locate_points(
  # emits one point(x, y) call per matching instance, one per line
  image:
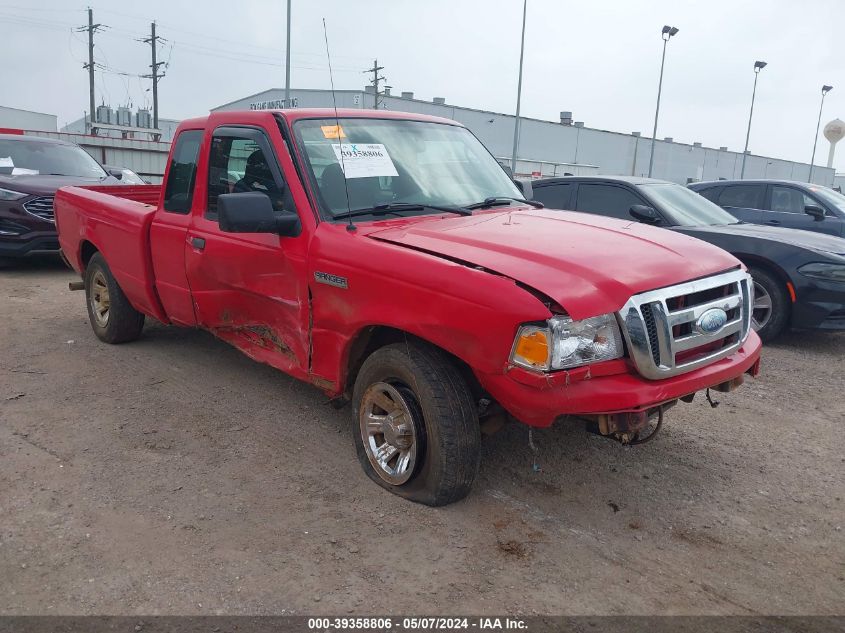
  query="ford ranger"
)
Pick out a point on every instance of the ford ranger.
point(389, 260)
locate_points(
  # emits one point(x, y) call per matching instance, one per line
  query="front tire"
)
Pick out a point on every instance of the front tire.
point(112, 317)
point(770, 312)
point(415, 426)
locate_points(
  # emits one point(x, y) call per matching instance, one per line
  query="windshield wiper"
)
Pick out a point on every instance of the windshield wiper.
point(396, 208)
point(501, 200)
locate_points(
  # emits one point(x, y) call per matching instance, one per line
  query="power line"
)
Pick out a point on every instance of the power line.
point(216, 51)
point(275, 52)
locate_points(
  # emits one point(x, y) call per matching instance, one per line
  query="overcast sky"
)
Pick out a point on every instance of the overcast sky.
point(598, 58)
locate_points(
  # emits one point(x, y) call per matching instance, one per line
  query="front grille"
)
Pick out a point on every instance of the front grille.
point(651, 330)
point(665, 332)
point(41, 207)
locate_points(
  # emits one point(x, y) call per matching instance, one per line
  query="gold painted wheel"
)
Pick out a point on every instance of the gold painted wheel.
point(100, 301)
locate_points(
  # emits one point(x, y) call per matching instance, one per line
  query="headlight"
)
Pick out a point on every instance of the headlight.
point(8, 194)
point(565, 343)
point(824, 271)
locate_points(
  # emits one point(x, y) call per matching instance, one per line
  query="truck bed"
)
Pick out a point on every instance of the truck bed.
point(114, 220)
point(147, 194)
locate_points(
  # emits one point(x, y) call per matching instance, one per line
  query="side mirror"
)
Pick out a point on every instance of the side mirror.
point(644, 214)
point(116, 173)
point(524, 185)
point(252, 212)
point(816, 211)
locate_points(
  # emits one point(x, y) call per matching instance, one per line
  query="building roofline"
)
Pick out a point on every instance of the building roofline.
point(30, 111)
point(345, 91)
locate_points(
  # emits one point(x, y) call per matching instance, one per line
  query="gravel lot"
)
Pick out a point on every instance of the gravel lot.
point(174, 475)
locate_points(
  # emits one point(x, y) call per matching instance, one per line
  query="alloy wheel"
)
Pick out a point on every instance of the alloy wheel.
point(761, 312)
point(389, 431)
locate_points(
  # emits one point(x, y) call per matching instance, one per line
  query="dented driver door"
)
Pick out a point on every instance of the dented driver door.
point(247, 287)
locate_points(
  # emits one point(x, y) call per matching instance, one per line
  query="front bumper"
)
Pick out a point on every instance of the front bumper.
point(539, 399)
point(819, 305)
point(30, 244)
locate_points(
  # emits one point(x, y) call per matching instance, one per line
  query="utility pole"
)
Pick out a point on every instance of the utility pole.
point(287, 63)
point(91, 28)
point(375, 81)
point(518, 91)
point(152, 40)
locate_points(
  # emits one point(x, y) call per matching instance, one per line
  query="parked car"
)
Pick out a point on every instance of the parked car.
point(124, 175)
point(795, 205)
point(31, 170)
point(389, 260)
point(799, 277)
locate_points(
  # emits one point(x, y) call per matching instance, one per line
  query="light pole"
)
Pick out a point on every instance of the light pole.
point(825, 90)
point(668, 31)
point(519, 90)
point(287, 63)
point(758, 66)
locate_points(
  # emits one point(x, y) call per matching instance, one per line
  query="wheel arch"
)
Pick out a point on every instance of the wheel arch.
point(370, 338)
point(87, 250)
point(755, 261)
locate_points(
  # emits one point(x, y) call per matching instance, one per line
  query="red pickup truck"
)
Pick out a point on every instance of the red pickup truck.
point(388, 259)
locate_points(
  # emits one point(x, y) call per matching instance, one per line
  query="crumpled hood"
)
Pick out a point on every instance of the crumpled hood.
point(588, 264)
point(821, 242)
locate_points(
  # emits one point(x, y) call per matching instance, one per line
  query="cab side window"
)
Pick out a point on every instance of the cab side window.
point(241, 164)
point(182, 172)
point(742, 196)
point(614, 202)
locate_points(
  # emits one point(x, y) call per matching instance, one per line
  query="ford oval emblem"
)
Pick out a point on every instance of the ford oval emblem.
point(711, 321)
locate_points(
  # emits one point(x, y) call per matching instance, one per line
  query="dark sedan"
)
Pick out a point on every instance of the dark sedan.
point(796, 205)
point(799, 277)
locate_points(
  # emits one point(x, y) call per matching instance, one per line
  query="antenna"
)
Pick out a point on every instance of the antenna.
point(349, 227)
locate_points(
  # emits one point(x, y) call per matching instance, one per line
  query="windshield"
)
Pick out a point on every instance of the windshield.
point(39, 158)
point(685, 207)
point(831, 197)
point(393, 161)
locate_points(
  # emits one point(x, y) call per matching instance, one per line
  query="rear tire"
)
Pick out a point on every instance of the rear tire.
point(770, 313)
point(112, 317)
point(415, 426)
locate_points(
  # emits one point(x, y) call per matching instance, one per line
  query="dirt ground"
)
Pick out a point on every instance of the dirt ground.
point(176, 476)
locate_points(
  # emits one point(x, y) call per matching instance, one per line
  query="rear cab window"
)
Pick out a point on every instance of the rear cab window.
point(182, 172)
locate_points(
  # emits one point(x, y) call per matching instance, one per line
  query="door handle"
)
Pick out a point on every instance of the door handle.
point(773, 222)
point(198, 243)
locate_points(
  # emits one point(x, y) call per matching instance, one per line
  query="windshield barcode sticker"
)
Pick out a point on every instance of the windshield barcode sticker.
point(364, 160)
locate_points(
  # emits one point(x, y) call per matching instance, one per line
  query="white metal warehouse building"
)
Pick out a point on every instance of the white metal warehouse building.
point(551, 148)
